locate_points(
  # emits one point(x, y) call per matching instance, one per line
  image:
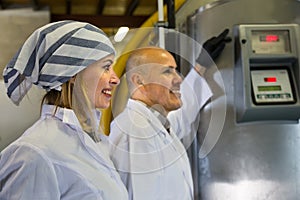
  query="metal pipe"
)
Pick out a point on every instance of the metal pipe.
point(161, 32)
point(170, 13)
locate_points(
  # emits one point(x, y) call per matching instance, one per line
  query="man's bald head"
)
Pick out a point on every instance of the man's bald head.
point(142, 57)
point(141, 61)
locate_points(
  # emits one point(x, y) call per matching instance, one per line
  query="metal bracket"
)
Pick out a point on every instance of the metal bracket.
point(163, 24)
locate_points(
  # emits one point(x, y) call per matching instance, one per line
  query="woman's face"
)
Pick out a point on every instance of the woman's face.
point(99, 80)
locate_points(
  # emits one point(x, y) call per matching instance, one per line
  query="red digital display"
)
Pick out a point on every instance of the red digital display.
point(272, 38)
point(270, 79)
point(269, 38)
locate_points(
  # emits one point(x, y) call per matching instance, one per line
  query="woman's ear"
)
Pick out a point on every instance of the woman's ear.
point(72, 80)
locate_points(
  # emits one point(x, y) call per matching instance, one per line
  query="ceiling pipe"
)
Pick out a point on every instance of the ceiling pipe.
point(101, 5)
point(68, 7)
point(132, 6)
point(161, 24)
point(2, 6)
point(172, 42)
point(36, 5)
point(170, 13)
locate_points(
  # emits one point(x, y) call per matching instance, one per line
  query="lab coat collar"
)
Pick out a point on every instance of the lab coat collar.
point(67, 116)
point(164, 120)
point(148, 114)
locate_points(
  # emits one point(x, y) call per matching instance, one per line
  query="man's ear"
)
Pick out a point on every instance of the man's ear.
point(137, 80)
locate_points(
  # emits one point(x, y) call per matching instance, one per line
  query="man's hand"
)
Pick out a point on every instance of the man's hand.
point(213, 47)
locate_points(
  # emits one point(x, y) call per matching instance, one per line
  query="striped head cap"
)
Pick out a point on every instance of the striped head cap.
point(52, 55)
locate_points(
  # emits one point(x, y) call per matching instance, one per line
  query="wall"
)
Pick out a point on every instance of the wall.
point(15, 26)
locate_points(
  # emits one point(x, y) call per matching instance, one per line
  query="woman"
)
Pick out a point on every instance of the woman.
point(63, 155)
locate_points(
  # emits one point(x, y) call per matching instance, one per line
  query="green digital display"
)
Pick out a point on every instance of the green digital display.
point(269, 88)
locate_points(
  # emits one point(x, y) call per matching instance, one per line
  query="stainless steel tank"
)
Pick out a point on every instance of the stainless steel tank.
point(248, 161)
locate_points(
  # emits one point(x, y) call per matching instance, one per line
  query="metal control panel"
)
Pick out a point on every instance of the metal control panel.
point(271, 86)
point(267, 72)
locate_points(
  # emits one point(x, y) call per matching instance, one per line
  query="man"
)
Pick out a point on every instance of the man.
point(145, 137)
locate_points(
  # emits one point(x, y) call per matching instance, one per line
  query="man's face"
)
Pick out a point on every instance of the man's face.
point(162, 83)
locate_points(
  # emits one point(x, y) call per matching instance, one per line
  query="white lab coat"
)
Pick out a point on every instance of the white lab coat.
point(56, 160)
point(153, 164)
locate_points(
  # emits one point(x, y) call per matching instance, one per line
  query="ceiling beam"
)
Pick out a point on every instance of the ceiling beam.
point(104, 21)
point(131, 7)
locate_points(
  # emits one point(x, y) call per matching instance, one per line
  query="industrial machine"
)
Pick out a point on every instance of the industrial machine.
point(253, 152)
point(266, 72)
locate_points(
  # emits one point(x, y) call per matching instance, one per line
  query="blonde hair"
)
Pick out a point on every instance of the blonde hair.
point(61, 98)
